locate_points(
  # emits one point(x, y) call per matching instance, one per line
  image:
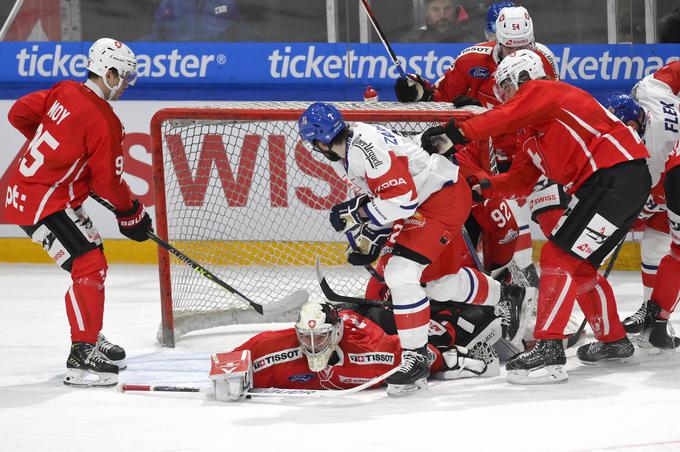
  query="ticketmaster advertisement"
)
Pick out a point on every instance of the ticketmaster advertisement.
point(208, 73)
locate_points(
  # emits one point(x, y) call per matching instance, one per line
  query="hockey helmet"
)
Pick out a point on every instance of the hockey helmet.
point(491, 16)
point(514, 28)
point(319, 330)
point(321, 123)
point(515, 69)
point(624, 107)
point(107, 53)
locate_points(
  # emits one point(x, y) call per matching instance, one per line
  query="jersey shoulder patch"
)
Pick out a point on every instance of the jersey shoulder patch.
point(480, 49)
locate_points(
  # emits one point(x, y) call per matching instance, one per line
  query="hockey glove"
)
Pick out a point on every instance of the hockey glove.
point(135, 223)
point(481, 189)
point(413, 88)
point(464, 101)
point(365, 244)
point(345, 216)
point(434, 137)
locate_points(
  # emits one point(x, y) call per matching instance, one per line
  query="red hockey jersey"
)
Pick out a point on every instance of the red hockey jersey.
point(670, 75)
point(565, 134)
point(365, 352)
point(75, 148)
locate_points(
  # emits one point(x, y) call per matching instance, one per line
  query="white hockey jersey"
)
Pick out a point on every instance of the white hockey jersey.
point(394, 170)
point(662, 130)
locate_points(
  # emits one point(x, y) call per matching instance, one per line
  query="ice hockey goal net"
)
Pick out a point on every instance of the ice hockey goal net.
point(237, 192)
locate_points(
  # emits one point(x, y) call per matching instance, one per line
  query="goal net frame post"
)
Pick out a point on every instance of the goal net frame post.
point(427, 113)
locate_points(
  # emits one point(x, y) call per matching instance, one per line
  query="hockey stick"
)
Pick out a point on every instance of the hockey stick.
point(187, 260)
point(382, 37)
point(331, 295)
point(574, 338)
point(267, 392)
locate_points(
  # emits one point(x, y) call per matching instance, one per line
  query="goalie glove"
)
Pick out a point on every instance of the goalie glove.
point(345, 216)
point(413, 88)
point(231, 374)
point(365, 244)
point(459, 364)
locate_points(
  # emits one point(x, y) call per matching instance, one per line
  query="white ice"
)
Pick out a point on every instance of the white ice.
point(614, 408)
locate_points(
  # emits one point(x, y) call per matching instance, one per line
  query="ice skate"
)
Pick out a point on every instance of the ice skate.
point(112, 352)
point(514, 308)
point(635, 323)
point(544, 364)
point(596, 352)
point(412, 374)
point(86, 367)
point(654, 342)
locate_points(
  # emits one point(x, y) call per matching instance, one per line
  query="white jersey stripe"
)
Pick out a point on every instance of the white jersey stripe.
point(583, 124)
point(605, 314)
point(580, 141)
point(558, 303)
point(76, 309)
point(51, 190)
point(621, 149)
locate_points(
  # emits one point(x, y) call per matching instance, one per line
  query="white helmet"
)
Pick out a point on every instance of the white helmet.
point(107, 53)
point(514, 27)
point(517, 68)
point(319, 330)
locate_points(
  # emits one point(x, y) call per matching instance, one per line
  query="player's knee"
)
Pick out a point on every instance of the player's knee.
point(401, 271)
point(654, 245)
point(91, 265)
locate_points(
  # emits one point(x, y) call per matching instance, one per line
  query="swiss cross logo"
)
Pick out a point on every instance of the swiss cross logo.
point(311, 323)
point(501, 18)
point(117, 44)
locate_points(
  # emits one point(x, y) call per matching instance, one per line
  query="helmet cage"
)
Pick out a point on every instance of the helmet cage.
point(319, 331)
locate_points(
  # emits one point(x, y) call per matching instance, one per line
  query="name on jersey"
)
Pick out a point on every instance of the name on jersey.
point(369, 152)
point(280, 357)
point(57, 112)
point(670, 120)
point(391, 183)
point(371, 358)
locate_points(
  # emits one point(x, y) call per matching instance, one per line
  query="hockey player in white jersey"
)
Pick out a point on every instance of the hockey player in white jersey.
point(653, 112)
point(406, 194)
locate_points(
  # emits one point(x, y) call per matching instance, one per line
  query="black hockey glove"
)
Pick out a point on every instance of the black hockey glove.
point(135, 223)
point(413, 88)
point(432, 137)
point(481, 189)
point(345, 216)
point(365, 245)
point(464, 101)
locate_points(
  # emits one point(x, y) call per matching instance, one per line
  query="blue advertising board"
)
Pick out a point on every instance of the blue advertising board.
point(302, 71)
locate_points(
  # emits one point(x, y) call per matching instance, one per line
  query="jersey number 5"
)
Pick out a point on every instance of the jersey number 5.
point(28, 168)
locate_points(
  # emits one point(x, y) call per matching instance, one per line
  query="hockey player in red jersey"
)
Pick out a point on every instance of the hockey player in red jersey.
point(569, 137)
point(339, 349)
point(75, 149)
point(470, 81)
point(653, 114)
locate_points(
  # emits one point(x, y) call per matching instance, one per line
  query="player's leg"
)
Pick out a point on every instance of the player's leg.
point(71, 240)
point(417, 245)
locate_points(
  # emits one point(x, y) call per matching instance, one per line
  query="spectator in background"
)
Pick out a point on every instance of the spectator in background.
point(199, 20)
point(669, 27)
point(445, 21)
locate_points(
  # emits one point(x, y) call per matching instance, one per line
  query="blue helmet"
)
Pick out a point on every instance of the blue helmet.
point(492, 14)
point(321, 122)
point(624, 107)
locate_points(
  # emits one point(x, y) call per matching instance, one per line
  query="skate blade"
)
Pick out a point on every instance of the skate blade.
point(541, 376)
point(122, 364)
point(85, 378)
point(406, 390)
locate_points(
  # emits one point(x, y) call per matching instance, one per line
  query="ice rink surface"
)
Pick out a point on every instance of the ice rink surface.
point(617, 407)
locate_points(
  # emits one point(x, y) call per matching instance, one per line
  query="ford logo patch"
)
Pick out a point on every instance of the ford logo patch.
point(479, 72)
point(303, 378)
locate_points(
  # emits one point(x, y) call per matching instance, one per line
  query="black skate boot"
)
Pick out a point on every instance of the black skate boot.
point(599, 351)
point(514, 313)
point(531, 275)
point(85, 367)
point(548, 355)
point(643, 317)
point(412, 374)
point(660, 335)
point(112, 352)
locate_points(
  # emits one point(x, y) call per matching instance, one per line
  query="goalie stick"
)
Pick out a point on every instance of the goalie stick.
point(187, 260)
point(266, 392)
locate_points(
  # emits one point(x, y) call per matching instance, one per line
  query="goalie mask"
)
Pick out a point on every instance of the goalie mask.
point(107, 53)
point(319, 125)
point(319, 330)
point(515, 69)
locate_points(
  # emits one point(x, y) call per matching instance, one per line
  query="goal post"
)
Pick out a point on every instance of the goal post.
point(237, 191)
